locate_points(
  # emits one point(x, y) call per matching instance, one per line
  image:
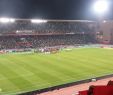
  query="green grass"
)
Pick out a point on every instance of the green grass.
point(27, 72)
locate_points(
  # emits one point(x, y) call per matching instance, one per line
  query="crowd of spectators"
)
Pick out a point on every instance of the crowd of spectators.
point(35, 41)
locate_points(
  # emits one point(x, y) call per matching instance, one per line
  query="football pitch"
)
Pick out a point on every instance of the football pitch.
point(27, 72)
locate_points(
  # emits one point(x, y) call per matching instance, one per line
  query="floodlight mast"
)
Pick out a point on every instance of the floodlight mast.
point(101, 7)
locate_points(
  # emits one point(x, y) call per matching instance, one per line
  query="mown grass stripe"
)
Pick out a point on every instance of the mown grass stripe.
point(27, 72)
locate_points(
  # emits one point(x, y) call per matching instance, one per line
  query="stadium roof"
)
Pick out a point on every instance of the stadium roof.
point(52, 20)
point(48, 20)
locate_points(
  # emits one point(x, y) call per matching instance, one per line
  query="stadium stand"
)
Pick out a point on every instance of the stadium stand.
point(24, 34)
point(49, 27)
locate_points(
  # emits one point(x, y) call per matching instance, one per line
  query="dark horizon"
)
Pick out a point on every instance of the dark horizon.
point(51, 9)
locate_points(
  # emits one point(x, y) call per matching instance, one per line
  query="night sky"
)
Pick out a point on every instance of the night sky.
point(51, 9)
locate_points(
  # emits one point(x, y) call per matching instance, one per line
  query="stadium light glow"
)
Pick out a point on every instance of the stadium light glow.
point(104, 21)
point(101, 6)
point(12, 20)
point(7, 20)
point(4, 20)
point(38, 21)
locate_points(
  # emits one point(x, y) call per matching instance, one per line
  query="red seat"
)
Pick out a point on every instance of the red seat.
point(103, 90)
point(83, 92)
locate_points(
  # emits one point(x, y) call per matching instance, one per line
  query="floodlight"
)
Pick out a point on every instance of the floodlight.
point(38, 21)
point(7, 20)
point(104, 21)
point(101, 6)
point(12, 20)
point(4, 20)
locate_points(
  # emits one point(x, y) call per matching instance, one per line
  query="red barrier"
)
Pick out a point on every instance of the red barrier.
point(103, 90)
